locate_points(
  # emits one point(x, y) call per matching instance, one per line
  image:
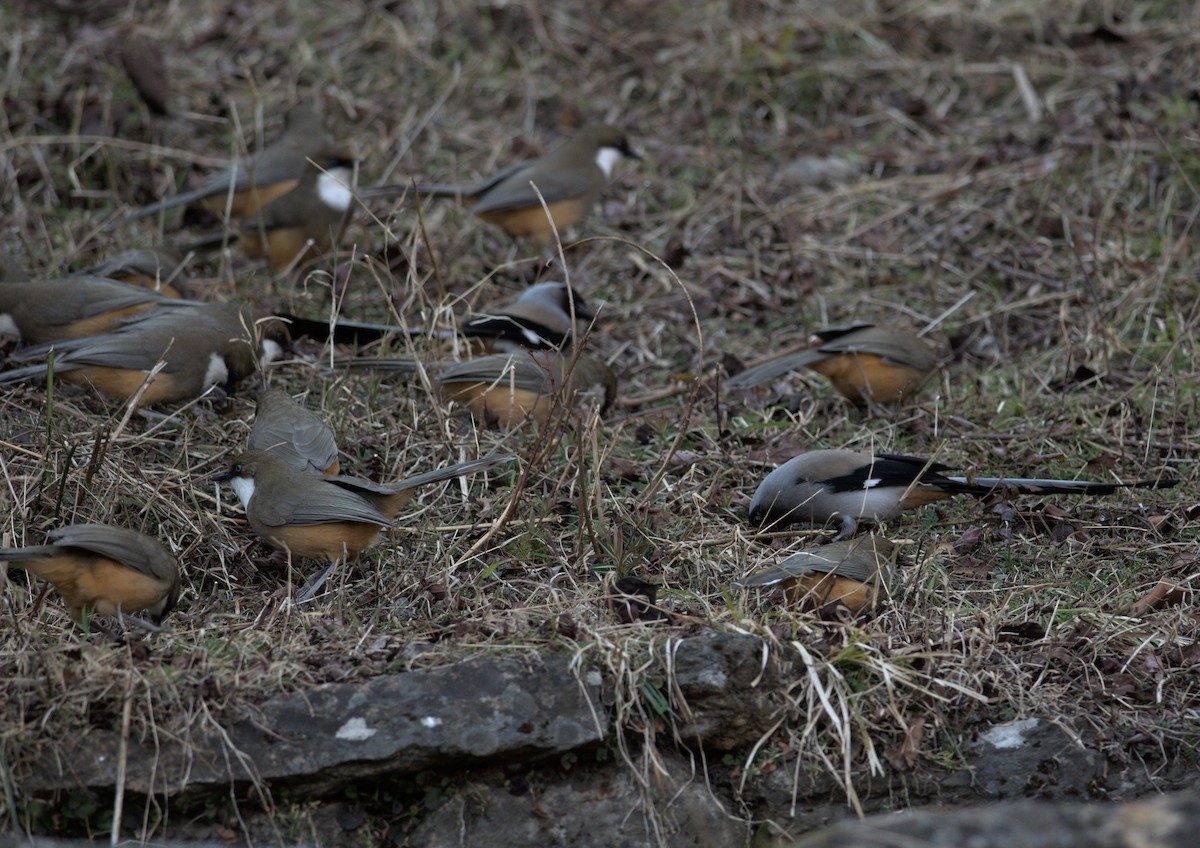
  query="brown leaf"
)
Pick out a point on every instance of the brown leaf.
point(1055, 511)
point(1165, 594)
point(634, 599)
point(969, 540)
point(143, 63)
point(1190, 655)
point(972, 567)
point(904, 757)
point(1025, 631)
point(624, 469)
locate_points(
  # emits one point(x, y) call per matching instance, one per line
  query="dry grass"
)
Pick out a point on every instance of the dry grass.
point(1027, 197)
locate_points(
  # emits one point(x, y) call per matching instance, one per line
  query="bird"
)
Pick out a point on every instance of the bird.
point(569, 179)
point(156, 268)
point(866, 363)
point(200, 346)
point(302, 224)
point(848, 487)
point(853, 573)
point(40, 311)
point(106, 570)
point(295, 434)
point(326, 517)
point(540, 318)
point(504, 389)
point(501, 390)
point(545, 316)
point(249, 184)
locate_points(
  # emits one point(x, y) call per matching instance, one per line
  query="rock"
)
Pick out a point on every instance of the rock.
point(1034, 758)
point(728, 689)
point(477, 712)
point(1170, 821)
point(606, 807)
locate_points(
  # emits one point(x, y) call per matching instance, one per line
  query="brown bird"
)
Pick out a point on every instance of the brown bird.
point(249, 184)
point(331, 518)
point(853, 573)
point(504, 389)
point(569, 178)
point(827, 485)
point(105, 570)
point(200, 345)
point(40, 311)
point(539, 319)
point(867, 363)
point(296, 435)
point(301, 224)
point(156, 268)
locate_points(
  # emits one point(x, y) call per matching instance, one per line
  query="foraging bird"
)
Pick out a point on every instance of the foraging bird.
point(865, 362)
point(201, 345)
point(504, 389)
point(569, 179)
point(107, 570)
point(249, 184)
point(826, 485)
point(303, 223)
point(541, 318)
point(331, 518)
point(156, 268)
point(295, 434)
point(853, 573)
point(545, 316)
point(40, 311)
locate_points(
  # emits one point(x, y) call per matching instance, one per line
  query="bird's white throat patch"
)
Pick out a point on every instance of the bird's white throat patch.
point(8, 327)
point(271, 350)
point(218, 371)
point(244, 487)
point(607, 158)
point(333, 189)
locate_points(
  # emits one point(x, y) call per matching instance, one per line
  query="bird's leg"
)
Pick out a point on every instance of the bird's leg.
point(126, 618)
point(309, 590)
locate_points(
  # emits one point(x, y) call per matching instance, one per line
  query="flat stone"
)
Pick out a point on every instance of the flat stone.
point(477, 712)
point(727, 688)
point(1170, 821)
point(614, 806)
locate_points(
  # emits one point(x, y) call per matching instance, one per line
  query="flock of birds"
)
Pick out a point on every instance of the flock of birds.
point(128, 330)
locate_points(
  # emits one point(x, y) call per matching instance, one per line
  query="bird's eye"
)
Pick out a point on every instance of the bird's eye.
point(238, 469)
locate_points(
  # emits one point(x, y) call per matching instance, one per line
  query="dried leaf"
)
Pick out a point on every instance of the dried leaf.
point(904, 757)
point(972, 567)
point(1165, 594)
point(969, 540)
point(143, 63)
